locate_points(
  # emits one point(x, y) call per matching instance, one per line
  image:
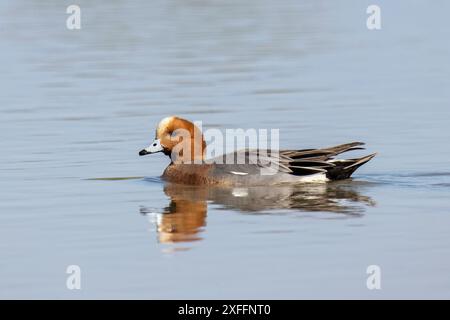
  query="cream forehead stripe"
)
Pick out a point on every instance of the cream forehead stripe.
point(164, 123)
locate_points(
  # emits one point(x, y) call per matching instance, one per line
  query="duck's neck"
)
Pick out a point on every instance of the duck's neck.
point(183, 139)
point(191, 152)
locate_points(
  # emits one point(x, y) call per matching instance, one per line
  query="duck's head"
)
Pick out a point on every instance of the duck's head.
point(179, 139)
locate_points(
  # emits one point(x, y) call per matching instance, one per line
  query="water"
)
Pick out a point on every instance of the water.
point(76, 106)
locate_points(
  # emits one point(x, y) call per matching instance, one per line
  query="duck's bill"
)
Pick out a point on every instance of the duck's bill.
point(153, 148)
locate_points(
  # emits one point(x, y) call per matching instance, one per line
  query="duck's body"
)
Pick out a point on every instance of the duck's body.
point(294, 166)
point(254, 169)
point(223, 175)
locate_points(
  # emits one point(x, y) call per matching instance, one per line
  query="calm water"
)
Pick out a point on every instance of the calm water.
point(76, 106)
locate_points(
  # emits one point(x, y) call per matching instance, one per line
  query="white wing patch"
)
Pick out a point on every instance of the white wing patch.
point(239, 173)
point(240, 192)
point(318, 177)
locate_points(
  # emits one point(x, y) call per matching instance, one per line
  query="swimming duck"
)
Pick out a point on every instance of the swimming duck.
point(284, 166)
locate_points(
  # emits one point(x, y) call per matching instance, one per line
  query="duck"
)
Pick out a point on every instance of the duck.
point(183, 142)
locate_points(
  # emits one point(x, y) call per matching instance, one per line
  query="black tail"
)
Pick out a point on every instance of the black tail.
point(343, 169)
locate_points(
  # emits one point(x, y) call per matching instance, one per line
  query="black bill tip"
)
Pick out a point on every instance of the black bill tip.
point(143, 152)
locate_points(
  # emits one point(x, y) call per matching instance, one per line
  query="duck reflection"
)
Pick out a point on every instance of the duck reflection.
point(185, 217)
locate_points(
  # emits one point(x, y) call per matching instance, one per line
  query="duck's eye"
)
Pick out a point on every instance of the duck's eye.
point(154, 144)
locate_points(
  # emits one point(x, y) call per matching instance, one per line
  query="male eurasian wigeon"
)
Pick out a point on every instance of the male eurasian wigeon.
point(285, 166)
